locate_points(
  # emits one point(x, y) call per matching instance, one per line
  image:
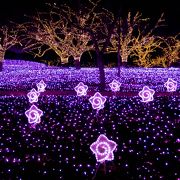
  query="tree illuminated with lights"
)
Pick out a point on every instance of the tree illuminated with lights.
point(97, 23)
point(123, 36)
point(146, 44)
point(171, 52)
point(133, 38)
point(8, 38)
point(46, 32)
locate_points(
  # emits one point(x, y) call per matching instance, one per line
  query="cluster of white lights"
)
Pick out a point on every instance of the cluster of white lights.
point(81, 89)
point(171, 85)
point(146, 94)
point(33, 95)
point(115, 85)
point(41, 86)
point(34, 114)
point(97, 101)
point(103, 149)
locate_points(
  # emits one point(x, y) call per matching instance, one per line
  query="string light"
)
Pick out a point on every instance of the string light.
point(60, 143)
point(115, 85)
point(146, 94)
point(97, 101)
point(103, 149)
point(33, 95)
point(41, 86)
point(171, 85)
point(81, 89)
point(34, 115)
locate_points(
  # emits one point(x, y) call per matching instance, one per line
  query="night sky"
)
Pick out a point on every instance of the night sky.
point(15, 10)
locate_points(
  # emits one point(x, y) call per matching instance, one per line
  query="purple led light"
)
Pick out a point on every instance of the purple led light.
point(150, 129)
point(97, 101)
point(115, 85)
point(58, 79)
point(41, 86)
point(171, 85)
point(81, 89)
point(103, 149)
point(146, 94)
point(34, 114)
point(33, 96)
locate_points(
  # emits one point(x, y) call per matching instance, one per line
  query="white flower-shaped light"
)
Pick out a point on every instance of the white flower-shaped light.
point(115, 85)
point(103, 149)
point(171, 85)
point(34, 114)
point(97, 101)
point(146, 94)
point(81, 89)
point(41, 86)
point(33, 95)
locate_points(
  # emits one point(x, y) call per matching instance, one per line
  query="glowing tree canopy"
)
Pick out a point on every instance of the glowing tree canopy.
point(33, 96)
point(97, 101)
point(115, 85)
point(8, 38)
point(103, 149)
point(146, 94)
point(34, 114)
point(171, 85)
point(81, 89)
point(41, 86)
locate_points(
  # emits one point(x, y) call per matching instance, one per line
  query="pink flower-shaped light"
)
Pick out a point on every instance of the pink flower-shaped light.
point(97, 101)
point(103, 149)
point(171, 85)
point(146, 94)
point(34, 114)
point(115, 85)
point(33, 96)
point(41, 86)
point(81, 89)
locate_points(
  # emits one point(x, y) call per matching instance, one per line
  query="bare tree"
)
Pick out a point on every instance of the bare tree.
point(134, 38)
point(8, 38)
point(52, 31)
point(79, 44)
point(171, 52)
point(122, 39)
point(147, 45)
point(98, 23)
point(46, 32)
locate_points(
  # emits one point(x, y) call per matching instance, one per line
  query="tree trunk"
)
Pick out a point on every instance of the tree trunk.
point(124, 63)
point(119, 64)
point(1, 60)
point(1, 65)
point(118, 50)
point(77, 62)
point(58, 61)
point(101, 71)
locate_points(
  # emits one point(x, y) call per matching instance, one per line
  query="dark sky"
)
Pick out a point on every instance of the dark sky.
point(15, 9)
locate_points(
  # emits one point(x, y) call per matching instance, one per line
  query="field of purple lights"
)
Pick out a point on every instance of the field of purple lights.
point(146, 134)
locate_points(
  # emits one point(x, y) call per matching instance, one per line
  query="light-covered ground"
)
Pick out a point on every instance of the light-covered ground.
point(23, 75)
point(58, 147)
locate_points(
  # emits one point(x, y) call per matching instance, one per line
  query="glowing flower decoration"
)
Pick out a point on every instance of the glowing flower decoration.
point(97, 101)
point(146, 94)
point(41, 86)
point(33, 96)
point(103, 149)
point(34, 114)
point(81, 89)
point(171, 85)
point(115, 85)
